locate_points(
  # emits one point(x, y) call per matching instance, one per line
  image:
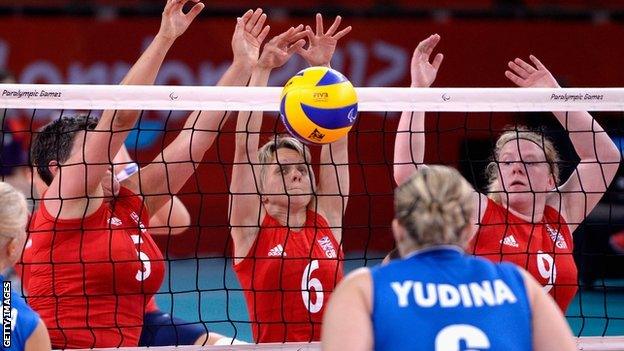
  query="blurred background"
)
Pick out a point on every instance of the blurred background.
point(95, 42)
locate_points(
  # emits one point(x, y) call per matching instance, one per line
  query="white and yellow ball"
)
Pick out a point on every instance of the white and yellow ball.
point(318, 105)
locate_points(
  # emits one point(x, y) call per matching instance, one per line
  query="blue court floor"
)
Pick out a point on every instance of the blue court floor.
point(207, 290)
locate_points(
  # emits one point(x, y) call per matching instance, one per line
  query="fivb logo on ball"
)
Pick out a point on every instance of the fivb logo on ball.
point(318, 105)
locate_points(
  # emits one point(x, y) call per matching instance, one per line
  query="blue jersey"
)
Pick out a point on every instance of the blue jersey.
point(440, 299)
point(24, 320)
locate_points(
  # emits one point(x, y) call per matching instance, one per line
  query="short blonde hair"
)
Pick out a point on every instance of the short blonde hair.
point(519, 133)
point(266, 155)
point(13, 213)
point(435, 206)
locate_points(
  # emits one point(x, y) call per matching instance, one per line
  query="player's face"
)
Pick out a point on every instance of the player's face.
point(290, 176)
point(524, 170)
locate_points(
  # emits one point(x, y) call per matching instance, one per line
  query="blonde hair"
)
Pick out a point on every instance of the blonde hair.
point(519, 133)
point(13, 213)
point(267, 154)
point(435, 206)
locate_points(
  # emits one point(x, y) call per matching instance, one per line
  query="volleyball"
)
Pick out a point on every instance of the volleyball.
point(318, 105)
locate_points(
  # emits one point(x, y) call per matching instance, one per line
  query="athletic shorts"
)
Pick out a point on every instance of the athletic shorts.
point(161, 329)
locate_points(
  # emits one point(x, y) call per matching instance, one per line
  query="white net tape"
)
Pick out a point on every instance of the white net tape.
point(584, 343)
point(98, 97)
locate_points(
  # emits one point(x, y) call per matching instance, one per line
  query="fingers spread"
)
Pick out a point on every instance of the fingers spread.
point(334, 26)
point(255, 16)
point(514, 78)
point(259, 25)
point(168, 6)
point(285, 35)
point(281, 40)
point(437, 61)
point(520, 62)
point(518, 70)
point(309, 33)
point(432, 41)
point(292, 35)
point(296, 47)
point(241, 22)
point(301, 51)
point(177, 5)
point(537, 62)
point(342, 33)
point(425, 48)
point(319, 24)
point(422, 49)
point(247, 15)
point(297, 35)
point(298, 30)
point(263, 34)
point(195, 10)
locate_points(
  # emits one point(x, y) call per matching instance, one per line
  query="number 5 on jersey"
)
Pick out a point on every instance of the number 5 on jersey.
point(144, 273)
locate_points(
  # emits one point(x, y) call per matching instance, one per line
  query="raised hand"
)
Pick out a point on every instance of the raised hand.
point(423, 72)
point(279, 49)
point(321, 45)
point(527, 76)
point(174, 21)
point(248, 36)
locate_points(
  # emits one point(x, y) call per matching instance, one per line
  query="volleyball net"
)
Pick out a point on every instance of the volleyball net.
point(461, 128)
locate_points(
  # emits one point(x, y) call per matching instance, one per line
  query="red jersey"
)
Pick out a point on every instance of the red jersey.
point(288, 277)
point(544, 249)
point(89, 279)
point(23, 271)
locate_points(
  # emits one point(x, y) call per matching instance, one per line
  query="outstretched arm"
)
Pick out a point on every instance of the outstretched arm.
point(409, 145)
point(600, 157)
point(333, 188)
point(173, 23)
point(78, 181)
point(173, 218)
point(245, 204)
point(170, 170)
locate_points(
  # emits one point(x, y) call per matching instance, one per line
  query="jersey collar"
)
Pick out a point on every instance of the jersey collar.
point(451, 249)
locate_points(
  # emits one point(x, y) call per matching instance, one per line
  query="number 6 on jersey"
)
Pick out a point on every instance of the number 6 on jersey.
point(313, 283)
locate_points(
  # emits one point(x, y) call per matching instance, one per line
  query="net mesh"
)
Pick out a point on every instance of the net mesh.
point(200, 287)
point(608, 343)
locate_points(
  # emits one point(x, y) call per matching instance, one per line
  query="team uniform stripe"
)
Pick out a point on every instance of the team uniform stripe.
point(333, 118)
point(330, 77)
